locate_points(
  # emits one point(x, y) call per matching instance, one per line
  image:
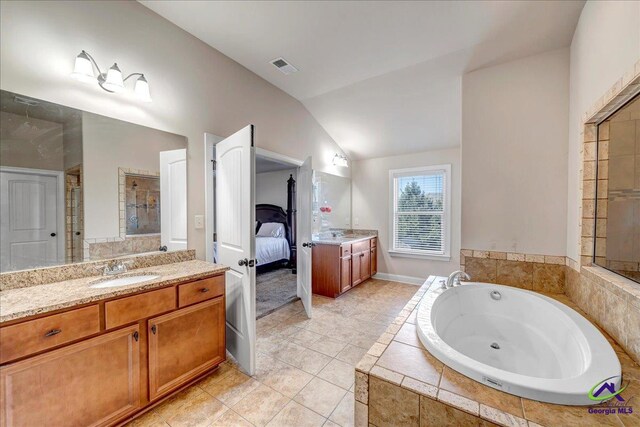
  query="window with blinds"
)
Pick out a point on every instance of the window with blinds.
point(420, 210)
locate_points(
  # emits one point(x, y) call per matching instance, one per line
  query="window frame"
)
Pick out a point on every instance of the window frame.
point(445, 254)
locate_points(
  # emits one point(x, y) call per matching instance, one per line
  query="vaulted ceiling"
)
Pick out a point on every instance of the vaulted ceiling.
point(382, 78)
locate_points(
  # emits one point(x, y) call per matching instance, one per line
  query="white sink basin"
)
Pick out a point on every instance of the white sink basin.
point(124, 281)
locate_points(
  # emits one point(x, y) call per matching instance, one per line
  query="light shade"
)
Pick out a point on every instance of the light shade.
point(341, 161)
point(83, 69)
point(141, 89)
point(113, 81)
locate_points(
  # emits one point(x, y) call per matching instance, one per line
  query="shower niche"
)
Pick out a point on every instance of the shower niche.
point(141, 204)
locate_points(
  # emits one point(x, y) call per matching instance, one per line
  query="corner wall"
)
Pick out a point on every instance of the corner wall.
point(371, 205)
point(605, 46)
point(514, 155)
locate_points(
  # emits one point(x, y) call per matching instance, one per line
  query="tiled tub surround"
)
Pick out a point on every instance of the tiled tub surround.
point(612, 301)
point(398, 382)
point(541, 273)
point(41, 276)
point(99, 249)
point(29, 301)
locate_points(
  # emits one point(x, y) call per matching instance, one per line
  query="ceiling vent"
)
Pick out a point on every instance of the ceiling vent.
point(284, 66)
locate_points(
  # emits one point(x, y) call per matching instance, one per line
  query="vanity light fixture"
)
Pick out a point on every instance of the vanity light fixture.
point(112, 80)
point(340, 160)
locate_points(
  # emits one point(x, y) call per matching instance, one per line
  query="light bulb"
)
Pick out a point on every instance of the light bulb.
point(113, 81)
point(83, 69)
point(141, 89)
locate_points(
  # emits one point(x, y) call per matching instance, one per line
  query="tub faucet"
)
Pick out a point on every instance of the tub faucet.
point(454, 278)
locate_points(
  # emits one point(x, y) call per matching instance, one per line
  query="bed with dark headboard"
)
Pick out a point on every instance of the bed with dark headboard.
point(272, 213)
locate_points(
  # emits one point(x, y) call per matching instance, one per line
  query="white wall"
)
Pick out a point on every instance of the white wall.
point(195, 88)
point(371, 204)
point(271, 187)
point(514, 155)
point(605, 46)
point(107, 145)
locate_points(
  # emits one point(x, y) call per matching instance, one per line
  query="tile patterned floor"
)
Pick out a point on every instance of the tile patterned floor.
point(305, 367)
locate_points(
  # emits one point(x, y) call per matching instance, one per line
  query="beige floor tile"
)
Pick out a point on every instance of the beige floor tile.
point(327, 346)
point(261, 405)
point(339, 373)
point(344, 412)
point(231, 419)
point(311, 361)
point(287, 379)
point(320, 396)
point(150, 419)
point(231, 388)
point(296, 415)
point(351, 354)
point(201, 411)
point(305, 337)
point(170, 406)
point(288, 352)
point(330, 423)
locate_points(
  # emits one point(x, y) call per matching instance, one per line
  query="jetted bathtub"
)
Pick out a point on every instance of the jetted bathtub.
point(516, 341)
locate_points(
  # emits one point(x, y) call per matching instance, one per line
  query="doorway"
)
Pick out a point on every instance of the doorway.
point(32, 218)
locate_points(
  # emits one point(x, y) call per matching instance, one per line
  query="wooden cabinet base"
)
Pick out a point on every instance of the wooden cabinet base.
point(95, 382)
point(338, 268)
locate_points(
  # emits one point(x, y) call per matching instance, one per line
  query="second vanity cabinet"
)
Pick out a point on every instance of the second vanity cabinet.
point(123, 355)
point(338, 268)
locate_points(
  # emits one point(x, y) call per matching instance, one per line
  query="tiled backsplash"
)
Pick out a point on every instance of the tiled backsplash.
point(541, 273)
point(96, 249)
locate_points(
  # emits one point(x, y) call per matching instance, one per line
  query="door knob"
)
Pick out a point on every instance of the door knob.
point(308, 245)
point(243, 262)
point(53, 234)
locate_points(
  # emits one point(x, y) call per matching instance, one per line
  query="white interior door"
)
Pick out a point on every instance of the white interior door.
point(29, 220)
point(235, 223)
point(173, 199)
point(304, 194)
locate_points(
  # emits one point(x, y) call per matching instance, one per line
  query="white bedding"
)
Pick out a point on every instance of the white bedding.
point(271, 249)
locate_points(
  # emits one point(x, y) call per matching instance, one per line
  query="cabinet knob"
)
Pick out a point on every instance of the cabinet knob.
point(154, 329)
point(53, 332)
point(136, 335)
point(204, 290)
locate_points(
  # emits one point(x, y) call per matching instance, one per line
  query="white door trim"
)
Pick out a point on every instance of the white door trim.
point(272, 155)
point(60, 202)
point(210, 140)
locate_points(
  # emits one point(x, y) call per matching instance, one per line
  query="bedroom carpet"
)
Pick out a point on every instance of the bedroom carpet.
point(273, 290)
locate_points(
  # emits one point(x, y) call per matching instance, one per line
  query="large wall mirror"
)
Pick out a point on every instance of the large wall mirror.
point(77, 186)
point(331, 202)
point(617, 224)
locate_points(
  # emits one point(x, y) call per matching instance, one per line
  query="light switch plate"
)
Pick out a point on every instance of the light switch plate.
point(199, 222)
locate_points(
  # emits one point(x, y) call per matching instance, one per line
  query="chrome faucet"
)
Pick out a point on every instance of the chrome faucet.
point(454, 278)
point(114, 267)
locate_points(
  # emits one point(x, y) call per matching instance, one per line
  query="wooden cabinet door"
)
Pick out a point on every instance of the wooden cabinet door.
point(92, 383)
point(345, 274)
point(184, 344)
point(356, 269)
point(365, 265)
point(374, 260)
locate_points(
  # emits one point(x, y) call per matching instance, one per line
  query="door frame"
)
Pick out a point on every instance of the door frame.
point(60, 201)
point(210, 141)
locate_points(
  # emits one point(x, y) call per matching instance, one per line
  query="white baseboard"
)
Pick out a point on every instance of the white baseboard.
point(398, 278)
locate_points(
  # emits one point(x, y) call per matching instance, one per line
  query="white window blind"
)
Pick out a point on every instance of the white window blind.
point(420, 210)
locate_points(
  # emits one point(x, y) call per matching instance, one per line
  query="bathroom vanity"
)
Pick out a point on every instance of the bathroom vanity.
point(72, 353)
point(343, 262)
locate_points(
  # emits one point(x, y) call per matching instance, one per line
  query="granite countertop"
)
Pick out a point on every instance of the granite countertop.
point(38, 299)
point(339, 240)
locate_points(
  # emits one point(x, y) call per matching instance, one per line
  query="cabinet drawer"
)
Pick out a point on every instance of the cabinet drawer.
point(40, 334)
point(360, 247)
point(131, 309)
point(201, 290)
point(345, 250)
point(374, 242)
